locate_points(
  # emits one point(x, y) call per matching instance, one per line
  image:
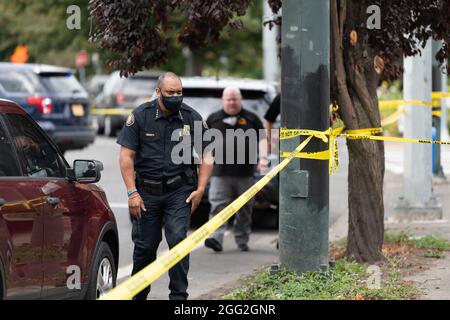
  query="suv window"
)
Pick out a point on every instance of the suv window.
point(16, 82)
point(8, 162)
point(111, 84)
point(206, 101)
point(139, 85)
point(57, 82)
point(41, 160)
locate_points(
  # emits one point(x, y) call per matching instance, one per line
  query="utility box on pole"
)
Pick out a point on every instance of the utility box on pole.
point(305, 99)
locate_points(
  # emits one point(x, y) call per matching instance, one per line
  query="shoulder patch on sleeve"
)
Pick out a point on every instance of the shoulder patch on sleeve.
point(130, 120)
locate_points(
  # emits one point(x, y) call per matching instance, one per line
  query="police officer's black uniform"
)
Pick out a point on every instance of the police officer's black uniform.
point(163, 185)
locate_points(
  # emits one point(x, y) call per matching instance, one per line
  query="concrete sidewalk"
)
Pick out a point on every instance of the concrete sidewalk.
point(435, 281)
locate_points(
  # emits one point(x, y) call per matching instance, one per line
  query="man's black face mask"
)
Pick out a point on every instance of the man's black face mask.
point(172, 103)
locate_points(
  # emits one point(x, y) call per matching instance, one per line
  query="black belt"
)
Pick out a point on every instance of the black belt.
point(161, 186)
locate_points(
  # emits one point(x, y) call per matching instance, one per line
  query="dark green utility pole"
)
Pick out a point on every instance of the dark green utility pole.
point(437, 87)
point(305, 99)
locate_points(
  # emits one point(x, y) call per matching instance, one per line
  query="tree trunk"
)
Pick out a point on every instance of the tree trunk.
point(198, 63)
point(356, 83)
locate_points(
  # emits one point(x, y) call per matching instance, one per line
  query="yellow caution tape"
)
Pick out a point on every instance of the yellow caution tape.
point(390, 104)
point(440, 95)
point(293, 133)
point(394, 104)
point(367, 131)
point(111, 111)
point(369, 134)
point(333, 108)
point(436, 114)
point(331, 153)
point(381, 138)
point(399, 104)
point(149, 274)
point(393, 117)
point(321, 155)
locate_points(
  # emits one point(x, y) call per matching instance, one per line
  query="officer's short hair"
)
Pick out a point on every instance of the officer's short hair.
point(165, 75)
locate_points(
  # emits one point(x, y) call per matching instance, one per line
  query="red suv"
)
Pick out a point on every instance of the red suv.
point(58, 235)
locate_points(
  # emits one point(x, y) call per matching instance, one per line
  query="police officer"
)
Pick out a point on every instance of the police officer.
point(161, 190)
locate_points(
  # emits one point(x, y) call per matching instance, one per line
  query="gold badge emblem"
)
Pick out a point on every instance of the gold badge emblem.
point(130, 120)
point(242, 121)
point(186, 130)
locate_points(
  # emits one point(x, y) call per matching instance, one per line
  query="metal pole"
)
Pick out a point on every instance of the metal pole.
point(305, 98)
point(437, 87)
point(418, 201)
point(445, 103)
point(187, 54)
point(271, 65)
point(82, 76)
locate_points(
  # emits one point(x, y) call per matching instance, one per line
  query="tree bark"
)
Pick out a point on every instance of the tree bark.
point(357, 82)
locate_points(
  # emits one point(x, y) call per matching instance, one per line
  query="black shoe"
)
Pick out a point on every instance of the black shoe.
point(244, 247)
point(213, 244)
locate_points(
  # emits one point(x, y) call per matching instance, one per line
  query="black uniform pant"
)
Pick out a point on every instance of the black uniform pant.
point(171, 211)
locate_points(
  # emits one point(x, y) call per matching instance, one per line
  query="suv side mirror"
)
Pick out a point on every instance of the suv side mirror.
point(86, 171)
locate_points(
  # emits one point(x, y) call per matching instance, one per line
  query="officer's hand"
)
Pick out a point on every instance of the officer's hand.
point(195, 199)
point(263, 165)
point(135, 203)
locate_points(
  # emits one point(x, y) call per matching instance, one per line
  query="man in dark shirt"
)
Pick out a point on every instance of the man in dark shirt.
point(274, 111)
point(271, 116)
point(242, 131)
point(161, 189)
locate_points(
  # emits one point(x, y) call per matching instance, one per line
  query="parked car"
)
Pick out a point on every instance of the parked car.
point(58, 235)
point(95, 85)
point(119, 97)
point(205, 96)
point(54, 99)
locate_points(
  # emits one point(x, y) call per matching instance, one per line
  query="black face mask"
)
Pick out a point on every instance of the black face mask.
point(172, 103)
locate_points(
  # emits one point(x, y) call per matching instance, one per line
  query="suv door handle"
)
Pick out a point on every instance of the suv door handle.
point(53, 201)
point(2, 202)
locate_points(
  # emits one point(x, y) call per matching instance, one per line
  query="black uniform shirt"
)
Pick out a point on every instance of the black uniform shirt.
point(244, 120)
point(149, 133)
point(274, 109)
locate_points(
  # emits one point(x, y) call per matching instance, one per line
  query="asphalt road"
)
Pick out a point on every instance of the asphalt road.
point(210, 273)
